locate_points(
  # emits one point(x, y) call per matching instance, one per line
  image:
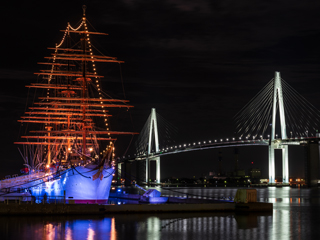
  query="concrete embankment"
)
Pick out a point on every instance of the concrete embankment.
point(52, 209)
point(172, 204)
point(192, 207)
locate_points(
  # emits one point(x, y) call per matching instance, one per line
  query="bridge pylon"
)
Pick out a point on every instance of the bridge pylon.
point(153, 131)
point(274, 144)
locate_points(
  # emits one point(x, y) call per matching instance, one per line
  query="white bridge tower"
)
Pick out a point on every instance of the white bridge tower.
point(274, 144)
point(153, 129)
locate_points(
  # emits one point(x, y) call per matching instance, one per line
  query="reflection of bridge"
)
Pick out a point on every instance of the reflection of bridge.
point(253, 123)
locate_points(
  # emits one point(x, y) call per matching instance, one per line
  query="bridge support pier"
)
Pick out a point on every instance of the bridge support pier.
point(285, 163)
point(271, 165)
point(147, 170)
point(118, 175)
point(157, 169)
point(312, 165)
point(157, 159)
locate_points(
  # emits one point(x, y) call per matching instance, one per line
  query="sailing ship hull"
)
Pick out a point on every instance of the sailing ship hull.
point(74, 185)
point(78, 185)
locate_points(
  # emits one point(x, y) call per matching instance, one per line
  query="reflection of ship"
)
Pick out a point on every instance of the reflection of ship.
point(70, 149)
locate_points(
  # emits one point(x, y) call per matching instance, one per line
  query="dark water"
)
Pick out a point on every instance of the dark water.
point(296, 215)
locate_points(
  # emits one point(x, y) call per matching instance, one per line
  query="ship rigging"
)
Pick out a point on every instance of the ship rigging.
point(71, 121)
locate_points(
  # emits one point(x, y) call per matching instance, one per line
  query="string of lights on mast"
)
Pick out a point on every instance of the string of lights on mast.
point(66, 107)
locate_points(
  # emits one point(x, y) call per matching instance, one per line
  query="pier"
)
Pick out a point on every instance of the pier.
point(86, 209)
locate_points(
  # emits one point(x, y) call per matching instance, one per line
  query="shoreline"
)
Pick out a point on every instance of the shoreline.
point(86, 209)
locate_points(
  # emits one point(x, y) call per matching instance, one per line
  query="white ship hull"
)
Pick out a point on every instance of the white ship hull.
point(75, 185)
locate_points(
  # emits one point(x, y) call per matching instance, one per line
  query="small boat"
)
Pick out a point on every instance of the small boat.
point(152, 196)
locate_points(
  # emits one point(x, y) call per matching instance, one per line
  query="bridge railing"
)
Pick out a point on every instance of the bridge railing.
point(216, 143)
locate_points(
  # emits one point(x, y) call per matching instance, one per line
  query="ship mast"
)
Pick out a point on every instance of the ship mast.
point(84, 83)
point(74, 105)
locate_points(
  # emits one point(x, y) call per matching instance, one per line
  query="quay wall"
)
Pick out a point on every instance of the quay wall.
point(68, 209)
point(49, 209)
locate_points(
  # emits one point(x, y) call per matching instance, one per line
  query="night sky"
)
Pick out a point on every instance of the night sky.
point(197, 62)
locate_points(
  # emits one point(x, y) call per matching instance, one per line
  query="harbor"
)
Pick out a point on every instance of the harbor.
point(91, 209)
point(288, 204)
point(245, 203)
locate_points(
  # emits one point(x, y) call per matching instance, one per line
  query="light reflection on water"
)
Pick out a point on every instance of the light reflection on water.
point(294, 216)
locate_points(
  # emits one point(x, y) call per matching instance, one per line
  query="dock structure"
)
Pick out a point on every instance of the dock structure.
point(244, 201)
point(83, 209)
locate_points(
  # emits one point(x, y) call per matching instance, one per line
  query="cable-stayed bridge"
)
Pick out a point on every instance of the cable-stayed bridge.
point(257, 124)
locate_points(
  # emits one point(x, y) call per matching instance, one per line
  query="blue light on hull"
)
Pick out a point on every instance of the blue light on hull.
point(77, 185)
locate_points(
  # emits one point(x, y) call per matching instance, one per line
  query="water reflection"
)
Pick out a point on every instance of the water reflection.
point(295, 216)
point(133, 226)
point(60, 227)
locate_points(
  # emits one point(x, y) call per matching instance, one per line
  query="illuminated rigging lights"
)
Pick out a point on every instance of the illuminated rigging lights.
point(83, 23)
point(56, 71)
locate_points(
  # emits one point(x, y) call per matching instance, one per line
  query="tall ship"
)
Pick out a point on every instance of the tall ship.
point(68, 148)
